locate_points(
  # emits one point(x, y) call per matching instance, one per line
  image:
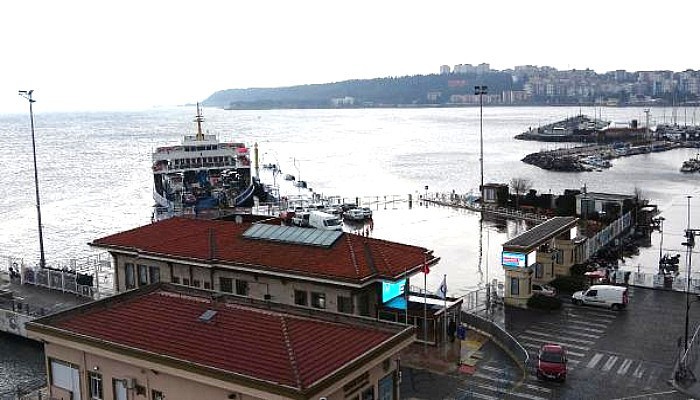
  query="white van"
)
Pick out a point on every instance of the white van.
point(325, 221)
point(615, 297)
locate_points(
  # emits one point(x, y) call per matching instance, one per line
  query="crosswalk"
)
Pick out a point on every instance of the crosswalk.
point(578, 329)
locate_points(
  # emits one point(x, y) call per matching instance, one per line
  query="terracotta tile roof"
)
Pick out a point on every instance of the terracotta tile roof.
point(351, 258)
point(262, 344)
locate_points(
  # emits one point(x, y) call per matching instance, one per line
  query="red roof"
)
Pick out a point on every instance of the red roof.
point(288, 350)
point(351, 258)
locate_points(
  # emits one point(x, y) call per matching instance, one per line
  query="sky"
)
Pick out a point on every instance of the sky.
point(112, 55)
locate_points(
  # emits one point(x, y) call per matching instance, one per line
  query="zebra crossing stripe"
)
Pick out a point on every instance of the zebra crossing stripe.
point(510, 393)
point(624, 367)
point(585, 322)
point(594, 361)
point(561, 343)
point(639, 371)
point(610, 363)
point(577, 328)
point(538, 333)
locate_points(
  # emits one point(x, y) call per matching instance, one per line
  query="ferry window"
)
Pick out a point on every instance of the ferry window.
point(241, 287)
point(514, 286)
point(154, 274)
point(130, 279)
point(318, 300)
point(143, 275)
point(157, 395)
point(345, 304)
point(300, 298)
point(95, 386)
point(226, 285)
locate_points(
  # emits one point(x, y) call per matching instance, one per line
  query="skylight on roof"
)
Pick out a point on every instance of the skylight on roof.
point(207, 315)
point(292, 234)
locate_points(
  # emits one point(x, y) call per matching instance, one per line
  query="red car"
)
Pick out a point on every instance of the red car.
point(551, 362)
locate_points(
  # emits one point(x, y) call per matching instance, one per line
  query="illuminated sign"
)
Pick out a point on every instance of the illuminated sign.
point(510, 259)
point(391, 290)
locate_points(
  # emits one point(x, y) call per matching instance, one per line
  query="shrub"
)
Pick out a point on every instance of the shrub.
point(569, 284)
point(543, 302)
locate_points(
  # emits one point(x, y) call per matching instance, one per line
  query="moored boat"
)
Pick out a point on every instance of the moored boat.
point(200, 172)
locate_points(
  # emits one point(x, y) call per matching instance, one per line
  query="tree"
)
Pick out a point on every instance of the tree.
point(520, 186)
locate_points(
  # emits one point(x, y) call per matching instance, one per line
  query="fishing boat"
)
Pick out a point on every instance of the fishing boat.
point(691, 165)
point(201, 173)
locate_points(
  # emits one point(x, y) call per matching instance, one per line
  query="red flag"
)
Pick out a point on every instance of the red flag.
point(425, 268)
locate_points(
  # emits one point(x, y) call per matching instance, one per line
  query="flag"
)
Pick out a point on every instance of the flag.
point(442, 290)
point(425, 268)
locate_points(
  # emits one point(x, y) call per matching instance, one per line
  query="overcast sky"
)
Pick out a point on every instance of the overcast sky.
point(104, 54)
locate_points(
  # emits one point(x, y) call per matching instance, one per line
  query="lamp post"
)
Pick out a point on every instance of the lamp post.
point(27, 94)
point(661, 242)
point(481, 91)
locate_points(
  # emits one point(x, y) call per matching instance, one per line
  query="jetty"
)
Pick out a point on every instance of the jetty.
point(593, 157)
point(580, 128)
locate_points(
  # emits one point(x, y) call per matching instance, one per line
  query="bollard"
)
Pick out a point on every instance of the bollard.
point(410, 201)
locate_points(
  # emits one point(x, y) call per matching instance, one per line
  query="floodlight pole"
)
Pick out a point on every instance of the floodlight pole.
point(27, 94)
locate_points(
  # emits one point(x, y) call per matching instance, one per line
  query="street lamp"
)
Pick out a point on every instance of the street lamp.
point(27, 94)
point(661, 242)
point(481, 91)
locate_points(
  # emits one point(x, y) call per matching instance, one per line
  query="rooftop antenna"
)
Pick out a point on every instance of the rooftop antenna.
point(27, 94)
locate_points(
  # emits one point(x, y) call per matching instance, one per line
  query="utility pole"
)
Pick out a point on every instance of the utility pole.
point(27, 94)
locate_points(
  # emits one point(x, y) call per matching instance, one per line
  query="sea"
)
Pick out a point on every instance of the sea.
point(95, 179)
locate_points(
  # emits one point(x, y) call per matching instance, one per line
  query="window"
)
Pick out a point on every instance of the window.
point(386, 387)
point(95, 385)
point(185, 281)
point(226, 285)
point(318, 300)
point(241, 287)
point(143, 275)
point(119, 389)
point(514, 286)
point(301, 298)
point(195, 282)
point(65, 376)
point(539, 270)
point(368, 394)
point(154, 274)
point(176, 279)
point(157, 395)
point(130, 276)
point(207, 285)
point(345, 304)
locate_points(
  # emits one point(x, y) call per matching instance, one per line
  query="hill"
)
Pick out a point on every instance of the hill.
point(417, 90)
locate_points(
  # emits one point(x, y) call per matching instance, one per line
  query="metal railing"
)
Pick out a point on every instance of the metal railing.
point(501, 337)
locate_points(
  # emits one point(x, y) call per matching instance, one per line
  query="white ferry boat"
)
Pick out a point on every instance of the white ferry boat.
point(202, 173)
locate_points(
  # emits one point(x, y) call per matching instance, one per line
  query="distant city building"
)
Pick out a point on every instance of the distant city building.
point(343, 101)
point(444, 69)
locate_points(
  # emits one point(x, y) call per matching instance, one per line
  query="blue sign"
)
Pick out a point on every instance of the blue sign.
point(391, 290)
point(510, 259)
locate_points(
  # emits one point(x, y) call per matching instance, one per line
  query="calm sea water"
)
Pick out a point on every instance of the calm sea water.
point(95, 176)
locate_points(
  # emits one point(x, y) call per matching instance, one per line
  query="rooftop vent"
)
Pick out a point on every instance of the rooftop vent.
point(207, 315)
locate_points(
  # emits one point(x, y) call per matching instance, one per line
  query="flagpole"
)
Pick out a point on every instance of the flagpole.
point(405, 291)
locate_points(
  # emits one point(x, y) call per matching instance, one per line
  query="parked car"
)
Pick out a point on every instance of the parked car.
point(544, 290)
point(325, 221)
point(354, 214)
point(551, 362)
point(615, 297)
point(367, 212)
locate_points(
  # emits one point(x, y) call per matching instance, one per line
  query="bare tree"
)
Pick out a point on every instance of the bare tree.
point(520, 186)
